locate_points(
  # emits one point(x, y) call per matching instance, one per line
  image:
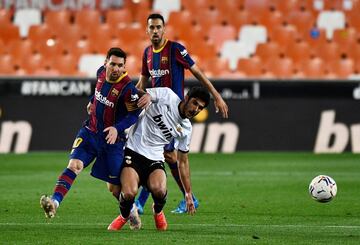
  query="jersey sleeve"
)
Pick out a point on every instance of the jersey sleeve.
point(162, 95)
point(130, 97)
point(144, 67)
point(182, 56)
point(183, 143)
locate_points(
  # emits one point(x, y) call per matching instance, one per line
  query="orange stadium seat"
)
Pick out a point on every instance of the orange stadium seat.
point(252, 67)
point(218, 34)
point(208, 18)
point(238, 18)
point(34, 62)
point(6, 65)
point(299, 51)
point(315, 38)
point(303, 20)
point(313, 68)
point(139, 9)
point(198, 5)
point(282, 67)
point(58, 18)
point(271, 19)
point(88, 19)
point(204, 50)
point(342, 68)
point(346, 37)
point(226, 6)
point(21, 49)
point(133, 66)
point(354, 51)
point(353, 19)
point(5, 17)
point(328, 51)
point(66, 65)
point(215, 67)
point(181, 20)
point(284, 35)
point(119, 18)
point(269, 50)
point(9, 33)
point(257, 7)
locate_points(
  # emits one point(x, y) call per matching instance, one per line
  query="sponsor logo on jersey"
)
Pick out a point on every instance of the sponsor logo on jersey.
point(184, 52)
point(164, 129)
point(102, 99)
point(164, 60)
point(159, 73)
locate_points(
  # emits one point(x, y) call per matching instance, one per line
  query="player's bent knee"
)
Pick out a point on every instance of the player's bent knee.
point(75, 165)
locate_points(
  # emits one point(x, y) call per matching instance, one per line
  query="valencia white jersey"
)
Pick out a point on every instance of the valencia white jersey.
point(158, 125)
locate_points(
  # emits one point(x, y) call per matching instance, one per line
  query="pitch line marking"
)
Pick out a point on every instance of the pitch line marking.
point(202, 225)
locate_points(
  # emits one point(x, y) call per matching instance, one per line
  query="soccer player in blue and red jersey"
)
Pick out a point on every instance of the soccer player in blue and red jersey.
point(164, 61)
point(112, 109)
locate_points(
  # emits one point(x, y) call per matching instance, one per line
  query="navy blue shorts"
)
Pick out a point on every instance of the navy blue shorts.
point(89, 146)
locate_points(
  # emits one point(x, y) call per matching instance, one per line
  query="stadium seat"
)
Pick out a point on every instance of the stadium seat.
point(9, 33)
point(118, 18)
point(33, 62)
point(252, 67)
point(24, 18)
point(165, 7)
point(284, 34)
point(330, 21)
point(6, 65)
point(225, 7)
point(5, 17)
point(88, 19)
point(238, 18)
point(139, 9)
point(218, 34)
point(353, 19)
point(252, 35)
point(299, 51)
point(281, 67)
point(214, 67)
point(208, 18)
point(342, 68)
point(89, 63)
point(180, 20)
point(58, 18)
point(270, 19)
point(204, 50)
point(133, 66)
point(233, 51)
point(328, 51)
point(314, 68)
point(269, 50)
point(66, 65)
point(303, 20)
point(346, 37)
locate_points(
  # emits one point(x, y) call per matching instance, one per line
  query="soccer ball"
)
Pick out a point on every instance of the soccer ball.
point(323, 188)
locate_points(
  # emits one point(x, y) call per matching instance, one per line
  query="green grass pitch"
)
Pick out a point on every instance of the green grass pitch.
point(245, 198)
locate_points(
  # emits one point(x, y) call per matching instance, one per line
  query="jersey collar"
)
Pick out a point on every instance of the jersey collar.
point(121, 77)
point(161, 48)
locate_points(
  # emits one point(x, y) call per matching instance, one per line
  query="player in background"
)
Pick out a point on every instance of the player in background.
point(166, 119)
point(111, 110)
point(165, 61)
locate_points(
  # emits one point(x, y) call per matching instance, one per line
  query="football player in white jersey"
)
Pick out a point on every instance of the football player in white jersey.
point(165, 119)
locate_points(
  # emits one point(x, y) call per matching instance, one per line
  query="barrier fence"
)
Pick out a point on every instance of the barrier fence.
point(323, 117)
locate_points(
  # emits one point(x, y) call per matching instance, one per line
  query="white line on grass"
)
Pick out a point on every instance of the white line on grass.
point(201, 225)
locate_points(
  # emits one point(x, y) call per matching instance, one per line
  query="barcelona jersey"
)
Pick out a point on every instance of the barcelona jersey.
point(166, 66)
point(113, 104)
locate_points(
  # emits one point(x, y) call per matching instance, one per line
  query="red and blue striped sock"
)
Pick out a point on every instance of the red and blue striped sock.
point(63, 185)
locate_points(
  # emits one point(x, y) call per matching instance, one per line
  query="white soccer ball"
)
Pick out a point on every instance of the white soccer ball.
point(323, 188)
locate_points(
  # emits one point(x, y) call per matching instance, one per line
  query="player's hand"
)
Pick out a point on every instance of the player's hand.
point(89, 108)
point(190, 207)
point(144, 101)
point(111, 136)
point(222, 106)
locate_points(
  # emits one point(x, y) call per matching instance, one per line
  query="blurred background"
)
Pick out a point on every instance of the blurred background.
point(289, 70)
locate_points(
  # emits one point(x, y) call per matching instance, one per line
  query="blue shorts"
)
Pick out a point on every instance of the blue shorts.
point(170, 147)
point(89, 146)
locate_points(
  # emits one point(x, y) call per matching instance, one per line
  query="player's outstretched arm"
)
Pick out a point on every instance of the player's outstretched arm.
point(184, 170)
point(220, 104)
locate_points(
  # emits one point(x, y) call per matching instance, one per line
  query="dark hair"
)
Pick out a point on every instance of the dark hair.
point(156, 16)
point(200, 93)
point(118, 52)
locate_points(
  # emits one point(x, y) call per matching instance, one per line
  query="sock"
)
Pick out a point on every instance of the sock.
point(175, 173)
point(63, 185)
point(159, 202)
point(125, 206)
point(143, 196)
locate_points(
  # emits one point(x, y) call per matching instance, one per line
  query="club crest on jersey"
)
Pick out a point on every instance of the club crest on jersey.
point(164, 60)
point(179, 128)
point(114, 92)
